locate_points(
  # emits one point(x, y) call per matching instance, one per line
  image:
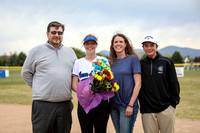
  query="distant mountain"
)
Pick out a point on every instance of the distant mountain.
point(182, 50)
point(169, 50)
point(139, 50)
point(105, 52)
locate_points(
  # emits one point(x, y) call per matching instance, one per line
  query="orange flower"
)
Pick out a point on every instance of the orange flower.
point(98, 63)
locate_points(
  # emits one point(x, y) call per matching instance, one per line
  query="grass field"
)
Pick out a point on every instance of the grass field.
point(13, 90)
point(189, 106)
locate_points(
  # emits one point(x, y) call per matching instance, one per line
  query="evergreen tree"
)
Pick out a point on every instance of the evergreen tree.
point(21, 58)
point(176, 57)
point(4, 60)
point(196, 59)
point(78, 52)
point(13, 59)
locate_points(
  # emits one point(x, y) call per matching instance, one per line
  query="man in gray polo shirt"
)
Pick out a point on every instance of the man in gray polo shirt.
point(48, 71)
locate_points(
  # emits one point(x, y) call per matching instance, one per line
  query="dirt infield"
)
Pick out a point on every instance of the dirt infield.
point(17, 119)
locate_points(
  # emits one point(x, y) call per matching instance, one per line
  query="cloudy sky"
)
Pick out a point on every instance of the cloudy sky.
point(23, 22)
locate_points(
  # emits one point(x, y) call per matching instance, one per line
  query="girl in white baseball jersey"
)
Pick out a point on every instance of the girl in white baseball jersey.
point(97, 117)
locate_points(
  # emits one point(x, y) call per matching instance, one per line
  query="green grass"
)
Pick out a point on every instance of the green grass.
point(13, 79)
point(13, 90)
point(189, 106)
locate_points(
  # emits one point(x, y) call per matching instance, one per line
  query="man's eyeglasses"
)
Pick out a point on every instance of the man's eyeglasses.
point(54, 32)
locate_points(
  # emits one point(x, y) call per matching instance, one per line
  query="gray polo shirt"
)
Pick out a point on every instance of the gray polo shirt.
point(48, 72)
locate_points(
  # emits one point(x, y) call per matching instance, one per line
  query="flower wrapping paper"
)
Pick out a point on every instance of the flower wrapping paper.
point(88, 100)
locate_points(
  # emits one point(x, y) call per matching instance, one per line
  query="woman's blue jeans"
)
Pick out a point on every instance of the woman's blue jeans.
point(121, 122)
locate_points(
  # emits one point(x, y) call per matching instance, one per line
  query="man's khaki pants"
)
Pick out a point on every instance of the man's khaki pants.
point(163, 121)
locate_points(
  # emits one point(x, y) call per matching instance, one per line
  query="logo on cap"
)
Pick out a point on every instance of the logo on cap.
point(148, 37)
point(90, 38)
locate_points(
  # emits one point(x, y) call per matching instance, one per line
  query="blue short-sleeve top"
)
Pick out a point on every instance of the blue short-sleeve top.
point(123, 70)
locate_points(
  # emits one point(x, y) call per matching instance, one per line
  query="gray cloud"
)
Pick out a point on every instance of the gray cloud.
point(24, 24)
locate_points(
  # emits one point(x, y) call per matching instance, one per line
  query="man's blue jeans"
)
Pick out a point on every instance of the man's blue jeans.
point(121, 122)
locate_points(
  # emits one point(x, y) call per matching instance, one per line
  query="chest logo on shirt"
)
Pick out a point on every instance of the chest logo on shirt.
point(84, 76)
point(160, 69)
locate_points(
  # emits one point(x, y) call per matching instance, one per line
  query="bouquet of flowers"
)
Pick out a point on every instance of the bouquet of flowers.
point(103, 77)
point(100, 86)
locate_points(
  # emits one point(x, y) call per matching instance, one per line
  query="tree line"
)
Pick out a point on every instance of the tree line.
point(15, 59)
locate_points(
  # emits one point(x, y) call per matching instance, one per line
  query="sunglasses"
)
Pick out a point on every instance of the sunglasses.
point(54, 32)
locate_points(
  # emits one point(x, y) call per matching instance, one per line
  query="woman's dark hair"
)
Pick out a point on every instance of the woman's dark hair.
point(128, 50)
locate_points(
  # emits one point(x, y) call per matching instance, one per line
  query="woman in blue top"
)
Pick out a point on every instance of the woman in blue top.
point(127, 71)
